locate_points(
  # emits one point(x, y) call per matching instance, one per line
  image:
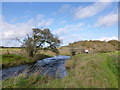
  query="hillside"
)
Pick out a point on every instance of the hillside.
point(93, 46)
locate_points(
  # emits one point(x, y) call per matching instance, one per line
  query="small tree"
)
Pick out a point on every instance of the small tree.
point(40, 40)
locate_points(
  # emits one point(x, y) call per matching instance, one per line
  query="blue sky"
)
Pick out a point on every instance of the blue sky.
point(71, 21)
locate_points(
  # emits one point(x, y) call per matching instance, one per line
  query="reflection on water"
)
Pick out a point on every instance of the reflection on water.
point(53, 67)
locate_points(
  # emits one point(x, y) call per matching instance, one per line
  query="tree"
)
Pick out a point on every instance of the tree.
point(40, 39)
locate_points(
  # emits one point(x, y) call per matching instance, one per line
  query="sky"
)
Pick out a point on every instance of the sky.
point(71, 21)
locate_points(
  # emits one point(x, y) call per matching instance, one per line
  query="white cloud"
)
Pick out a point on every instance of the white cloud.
point(45, 23)
point(108, 38)
point(10, 43)
point(63, 9)
point(88, 11)
point(107, 20)
point(68, 33)
point(11, 31)
point(69, 28)
point(71, 38)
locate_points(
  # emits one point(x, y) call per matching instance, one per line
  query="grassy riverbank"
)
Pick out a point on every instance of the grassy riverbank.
point(10, 60)
point(98, 70)
point(94, 70)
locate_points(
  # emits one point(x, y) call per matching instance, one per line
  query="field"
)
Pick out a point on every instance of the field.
point(63, 51)
point(11, 50)
point(95, 70)
point(17, 57)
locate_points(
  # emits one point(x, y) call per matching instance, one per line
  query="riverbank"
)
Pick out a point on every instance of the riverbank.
point(10, 60)
point(98, 70)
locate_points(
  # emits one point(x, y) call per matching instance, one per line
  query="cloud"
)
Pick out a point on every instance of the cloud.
point(45, 23)
point(10, 43)
point(69, 28)
point(64, 8)
point(88, 11)
point(107, 20)
point(71, 38)
point(108, 38)
point(68, 33)
point(11, 31)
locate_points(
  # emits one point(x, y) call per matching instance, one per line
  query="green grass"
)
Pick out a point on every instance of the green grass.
point(98, 70)
point(17, 56)
point(9, 60)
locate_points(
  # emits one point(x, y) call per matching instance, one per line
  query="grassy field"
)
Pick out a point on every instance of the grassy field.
point(9, 60)
point(98, 70)
point(11, 50)
point(17, 56)
point(63, 51)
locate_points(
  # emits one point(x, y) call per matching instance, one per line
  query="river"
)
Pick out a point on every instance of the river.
point(53, 67)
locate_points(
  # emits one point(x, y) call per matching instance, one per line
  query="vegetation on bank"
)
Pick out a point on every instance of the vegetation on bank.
point(96, 70)
point(10, 60)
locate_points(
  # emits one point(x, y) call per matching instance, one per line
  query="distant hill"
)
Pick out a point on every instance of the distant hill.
point(93, 46)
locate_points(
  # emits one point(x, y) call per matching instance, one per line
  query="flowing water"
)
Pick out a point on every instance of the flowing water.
point(53, 67)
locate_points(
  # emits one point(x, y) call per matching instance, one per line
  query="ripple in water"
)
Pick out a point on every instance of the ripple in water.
point(53, 67)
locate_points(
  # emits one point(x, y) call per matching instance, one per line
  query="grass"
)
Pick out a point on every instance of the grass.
point(17, 56)
point(95, 70)
point(11, 50)
point(20, 51)
point(98, 70)
point(10, 60)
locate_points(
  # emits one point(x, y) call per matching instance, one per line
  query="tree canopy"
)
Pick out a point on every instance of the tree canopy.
point(41, 39)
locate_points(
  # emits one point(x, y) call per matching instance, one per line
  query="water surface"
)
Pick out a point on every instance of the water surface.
point(53, 67)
